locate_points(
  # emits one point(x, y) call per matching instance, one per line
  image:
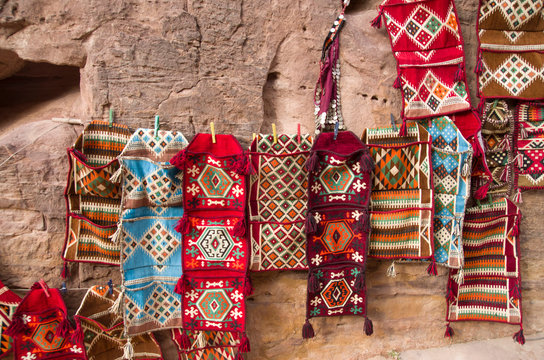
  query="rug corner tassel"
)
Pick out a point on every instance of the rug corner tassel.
point(180, 286)
point(397, 84)
point(519, 337)
point(117, 175)
point(183, 225)
point(248, 286)
point(77, 335)
point(359, 282)
point(16, 327)
point(128, 350)
point(459, 73)
point(184, 340)
point(244, 344)
point(179, 159)
point(403, 128)
point(449, 331)
point(517, 197)
point(307, 330)
point(310, 224)
point(377, 22)
point(63, 328)
point(240, 228)
point(431, 269)
point(479, 65)
point(369, 327)
point(115, 308)
point(312, 162)
point(391, 272)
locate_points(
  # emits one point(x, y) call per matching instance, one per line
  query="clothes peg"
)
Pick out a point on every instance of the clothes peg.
point(212, 128)
point(110, 287)
point(298, 133)
point(111, 117)
point(44, 287)
point(393, 123)
point(275, 133)
point(157, 126)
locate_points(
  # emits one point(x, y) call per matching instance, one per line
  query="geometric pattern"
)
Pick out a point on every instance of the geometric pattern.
point(336, 293)
point(277, 202)
point(94, 181)
point(511, 15)
point(452, 162)
point(150, 268)
point(401, 203)
point(207, 345)
point(103, 330)
point(214, 304)
point(210, 244)
point(8, 305)
point(482, 291)
point(530, 148)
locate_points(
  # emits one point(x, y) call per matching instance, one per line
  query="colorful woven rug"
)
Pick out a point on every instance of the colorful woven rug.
point(401, 205)
point(92, 199)
point(102, 330)
point(277, 202)
point(427, 44)
point(41, 329)
point(216, 253)
point(529, 144)
point(337, 228)
point(497, 133)
point(452, 163)
point(489, 286)
point(150, 268)
point(8, 304)
point(511, 63)
point(148, 178)
point(220, 345)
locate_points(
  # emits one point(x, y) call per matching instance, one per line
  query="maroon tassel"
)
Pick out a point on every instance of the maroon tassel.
point(239, 356)
point(250, 169)
point(481, 193)
point(16, 327)
point(243, 165)
point(397, 84)
point(459, 73)
point(63, 329)
point(431, 269)
point(311, 224)
point(313, 283)
point(64, 272)
point(403, 129)
point(312, 162)
point(367, 163)
point(248, 287)
point(77, 335)
point(307, 330)
point(244, 344)
point(184, 340)
point(180, 286)
point(377, 22)
point(479, 65)
point(183, 225)
point(515, 230)
point(519, 337)
point(359, 282)
point(449, 295)
point(240, 228)
point(369, 327)
point(449, 331)
point(178, 160)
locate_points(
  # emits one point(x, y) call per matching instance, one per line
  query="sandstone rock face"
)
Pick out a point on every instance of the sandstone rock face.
point(244, 65)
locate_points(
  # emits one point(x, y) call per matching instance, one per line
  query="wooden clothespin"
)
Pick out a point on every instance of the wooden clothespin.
point(274, 133)
point(393, 123)
point(157, 126)
point(44, 287)
point(212, 128)
point(298, 133)
point(111, 118)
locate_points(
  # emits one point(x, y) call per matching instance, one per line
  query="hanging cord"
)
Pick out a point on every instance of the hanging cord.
point(328, 114)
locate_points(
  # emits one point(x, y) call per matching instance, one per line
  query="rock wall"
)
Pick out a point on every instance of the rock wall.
point(245, 65)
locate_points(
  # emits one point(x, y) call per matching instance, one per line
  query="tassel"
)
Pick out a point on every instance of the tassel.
point(183, 225)
point(466, 169)
point(504, 174)
point(179, 159)
point(504, 144)
point(377, 22)
point(403, 129)
point(313, 283)
point(239, 356)
point(179, 176)
point(459, 277)
point(77, 335)
point(369, 327)
point(367, 163)
point(431, 269)
point(249, 168)
point(519, 337)
point(517, 197)
point(479, 65)
point(515, 230)
point(244, 344)
point(115, 308)
point(64, 272)
point(397, 84)
point(248, 287)
point(201, 340)
point(523, 132)
point(240, 228)
point(449, 295)
point(16, 327)
point(128, 350)
point(180, 286)
point(307, 330)
point(449, 331)
point(481, 193)
point(116, 236)
point(459, 73)
point(117, 175)
point(311, 224)
point(184, 340)
point(359, 282)
point(63, 328)
point(391, 272)
point(312, 163)
point(478, 152)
